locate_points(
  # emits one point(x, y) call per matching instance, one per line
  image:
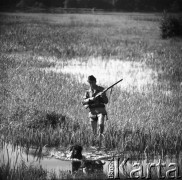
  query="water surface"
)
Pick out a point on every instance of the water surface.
point(51, 162)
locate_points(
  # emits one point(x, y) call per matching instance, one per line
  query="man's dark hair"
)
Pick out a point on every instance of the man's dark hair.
point(91, 78)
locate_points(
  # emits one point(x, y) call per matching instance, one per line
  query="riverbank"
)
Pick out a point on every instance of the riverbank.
point(17, 163)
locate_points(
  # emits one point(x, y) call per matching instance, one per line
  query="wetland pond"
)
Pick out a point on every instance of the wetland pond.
point(56, 160)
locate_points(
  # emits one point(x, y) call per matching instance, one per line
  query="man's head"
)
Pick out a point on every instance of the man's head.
point(92, 81)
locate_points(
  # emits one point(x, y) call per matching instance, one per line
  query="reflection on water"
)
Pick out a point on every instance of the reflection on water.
point(15, 155)
point(136, 75)
point(123, 167)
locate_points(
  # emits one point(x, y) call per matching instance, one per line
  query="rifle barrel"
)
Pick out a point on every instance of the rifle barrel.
point(112, 85)
point(105, 90)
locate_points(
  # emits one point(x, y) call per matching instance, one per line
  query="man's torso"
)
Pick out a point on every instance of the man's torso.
point(97, 107)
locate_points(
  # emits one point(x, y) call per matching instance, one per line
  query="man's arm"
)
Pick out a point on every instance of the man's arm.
point(87, 99)
point(102, 97)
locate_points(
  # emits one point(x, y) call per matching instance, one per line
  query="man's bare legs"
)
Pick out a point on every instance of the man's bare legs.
point(94, 126)
point(100, 131)
point(101, 123)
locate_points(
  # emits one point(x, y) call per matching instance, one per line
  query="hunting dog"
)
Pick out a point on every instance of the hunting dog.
point(87, 166)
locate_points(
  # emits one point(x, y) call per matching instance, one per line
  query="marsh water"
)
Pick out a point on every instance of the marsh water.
point(56, 161)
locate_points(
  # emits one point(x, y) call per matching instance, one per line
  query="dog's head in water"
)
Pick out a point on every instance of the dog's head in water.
point(76, 152)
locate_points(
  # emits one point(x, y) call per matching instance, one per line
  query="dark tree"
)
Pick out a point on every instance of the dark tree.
point(82, 3)
point(70, 4)
point(8, 3)
point(176, 6)
point(123, 5)
point(126, 5)
point(100, 4)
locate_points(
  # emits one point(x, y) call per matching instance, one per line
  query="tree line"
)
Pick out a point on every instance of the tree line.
point(124, 5)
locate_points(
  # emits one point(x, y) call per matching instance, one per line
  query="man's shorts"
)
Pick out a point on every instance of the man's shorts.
point(97, 114)
point(99, 118)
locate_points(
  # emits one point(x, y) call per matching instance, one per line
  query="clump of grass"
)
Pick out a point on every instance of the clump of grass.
point(19, 170)
point(170, 66)
point(28, 172)
point(22, 172)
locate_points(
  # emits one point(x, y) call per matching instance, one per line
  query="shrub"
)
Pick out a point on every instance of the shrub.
point(170, 26)
point(42, 119)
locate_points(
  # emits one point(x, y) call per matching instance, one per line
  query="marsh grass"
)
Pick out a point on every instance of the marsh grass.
point(18, 168)
point(31, 172)
point(137, 121)
point(22, 172)
point(96, 36)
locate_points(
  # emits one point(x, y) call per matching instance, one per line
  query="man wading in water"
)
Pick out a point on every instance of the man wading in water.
point(96, 105)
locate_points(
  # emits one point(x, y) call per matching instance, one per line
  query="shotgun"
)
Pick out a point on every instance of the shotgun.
point(87, 105)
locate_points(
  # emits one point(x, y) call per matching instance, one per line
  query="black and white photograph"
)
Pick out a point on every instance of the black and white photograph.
point(90, 89)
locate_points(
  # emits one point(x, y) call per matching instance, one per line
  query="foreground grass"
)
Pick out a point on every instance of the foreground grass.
point(138, 122)
point(16, 168)
point(22, 172)
point(30, 172)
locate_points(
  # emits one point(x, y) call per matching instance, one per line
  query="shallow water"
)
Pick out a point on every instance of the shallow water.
point(55, 160)
point(51, 162)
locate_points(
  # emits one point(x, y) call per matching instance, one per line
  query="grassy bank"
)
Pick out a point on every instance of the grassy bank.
point(13, 165)
point(29, 172)
point(137, 121)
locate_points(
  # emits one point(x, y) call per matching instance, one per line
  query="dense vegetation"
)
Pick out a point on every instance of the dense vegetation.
point(124, 5)
point(137, 120)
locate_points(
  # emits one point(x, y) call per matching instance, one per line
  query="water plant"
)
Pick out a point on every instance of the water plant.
point(18, 168)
